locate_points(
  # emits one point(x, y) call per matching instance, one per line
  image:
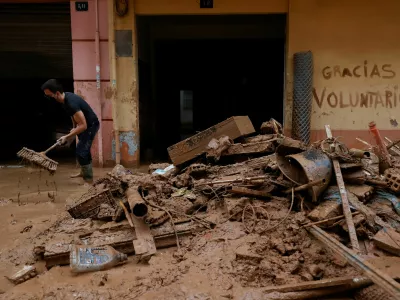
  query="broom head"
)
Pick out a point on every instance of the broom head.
point(38, 159)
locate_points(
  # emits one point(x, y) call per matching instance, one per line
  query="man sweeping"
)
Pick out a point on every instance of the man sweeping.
point(85, 125)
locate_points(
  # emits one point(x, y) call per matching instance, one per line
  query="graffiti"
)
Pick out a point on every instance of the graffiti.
point(365, 70)
point(367, 99)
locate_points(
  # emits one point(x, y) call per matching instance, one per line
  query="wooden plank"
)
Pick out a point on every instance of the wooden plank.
point(252, 148)
point(249, 192)
point(376, 275)
point(188, 149)
point(144, 244)
point(343, 195)
point(389, 240)
point(311, 285)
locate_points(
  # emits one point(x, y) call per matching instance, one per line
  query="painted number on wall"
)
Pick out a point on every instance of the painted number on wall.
point(206, 3)
point(82, 6)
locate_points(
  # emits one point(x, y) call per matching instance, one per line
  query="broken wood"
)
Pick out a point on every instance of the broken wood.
point(260, 138)
point(376, 275)
point(395, 149)
point(249, 192)
point(216, 147)
point(120, 237)
point(248, 149)
point(271, 127)
point(389, 240)
point(127, 214)
point(188, 149)
point(343, 195)
point(365, 143)
point(392, 144)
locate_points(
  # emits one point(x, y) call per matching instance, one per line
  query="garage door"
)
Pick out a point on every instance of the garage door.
point(35, 40)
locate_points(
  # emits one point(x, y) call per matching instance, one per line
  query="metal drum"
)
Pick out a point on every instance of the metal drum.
point(308, 166)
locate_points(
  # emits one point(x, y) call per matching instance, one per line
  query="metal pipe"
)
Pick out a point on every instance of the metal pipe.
point(359, 153)
point(136, 203)
point(380, 278)
point(98, 84)
point(385, 161)
point(113, 77)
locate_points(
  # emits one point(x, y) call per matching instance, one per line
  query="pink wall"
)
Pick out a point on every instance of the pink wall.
point(83, 26)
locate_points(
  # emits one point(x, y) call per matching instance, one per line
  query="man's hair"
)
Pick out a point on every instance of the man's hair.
point(53, 85)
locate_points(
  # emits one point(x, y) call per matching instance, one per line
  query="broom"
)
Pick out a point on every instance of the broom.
point(40, 159)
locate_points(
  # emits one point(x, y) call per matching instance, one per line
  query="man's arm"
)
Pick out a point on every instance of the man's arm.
point(81, 126)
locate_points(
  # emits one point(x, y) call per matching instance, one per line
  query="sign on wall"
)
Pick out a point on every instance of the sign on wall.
point(82, 6)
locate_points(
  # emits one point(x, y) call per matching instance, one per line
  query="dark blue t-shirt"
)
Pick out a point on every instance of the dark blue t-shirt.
point(73, 103)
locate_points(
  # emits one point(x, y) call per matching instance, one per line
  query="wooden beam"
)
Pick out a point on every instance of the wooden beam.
point(377, 276)
point(343, 195)
point(188, 149)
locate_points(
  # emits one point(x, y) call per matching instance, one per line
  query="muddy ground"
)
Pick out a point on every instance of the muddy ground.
point(225, 263)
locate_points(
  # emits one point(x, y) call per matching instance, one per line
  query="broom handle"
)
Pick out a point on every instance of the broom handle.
point(52, 147)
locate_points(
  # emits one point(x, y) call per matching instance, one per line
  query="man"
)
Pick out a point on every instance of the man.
point(85, 124)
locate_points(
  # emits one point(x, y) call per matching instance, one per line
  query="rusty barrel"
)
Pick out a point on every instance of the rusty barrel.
point(305, 167)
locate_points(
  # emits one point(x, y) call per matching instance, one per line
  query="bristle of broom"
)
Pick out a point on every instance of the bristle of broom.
point(38, 159)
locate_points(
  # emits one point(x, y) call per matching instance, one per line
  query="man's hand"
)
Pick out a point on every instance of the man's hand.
point(62, 140)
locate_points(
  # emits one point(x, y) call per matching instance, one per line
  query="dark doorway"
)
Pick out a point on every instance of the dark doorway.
point(226, 77)
point(205, 69)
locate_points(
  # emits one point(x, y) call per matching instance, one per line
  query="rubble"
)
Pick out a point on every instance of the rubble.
point(275, 192)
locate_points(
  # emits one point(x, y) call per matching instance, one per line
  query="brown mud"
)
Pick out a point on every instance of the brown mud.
point(224, 263)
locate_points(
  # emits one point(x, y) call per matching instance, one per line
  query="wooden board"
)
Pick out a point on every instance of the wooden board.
point(188, 149)
point(389, 240)
point(311, 285)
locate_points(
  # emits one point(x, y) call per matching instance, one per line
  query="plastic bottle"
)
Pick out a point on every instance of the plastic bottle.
point(85, 258)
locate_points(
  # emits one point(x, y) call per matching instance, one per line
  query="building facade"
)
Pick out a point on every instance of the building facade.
point(353, 43)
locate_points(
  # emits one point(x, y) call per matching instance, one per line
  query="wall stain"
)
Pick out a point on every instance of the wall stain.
point(130, 139)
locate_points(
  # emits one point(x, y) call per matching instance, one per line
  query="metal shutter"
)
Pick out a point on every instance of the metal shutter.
point(35, 40)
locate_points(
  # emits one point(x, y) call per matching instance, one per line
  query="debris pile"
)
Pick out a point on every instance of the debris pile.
point(307, 214)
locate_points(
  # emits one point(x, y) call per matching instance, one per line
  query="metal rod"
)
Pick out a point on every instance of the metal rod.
point(238, 180)
point(327, 220)
point(306, 186)
point(343, 196)
point(377, 276)
point(98, 83)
